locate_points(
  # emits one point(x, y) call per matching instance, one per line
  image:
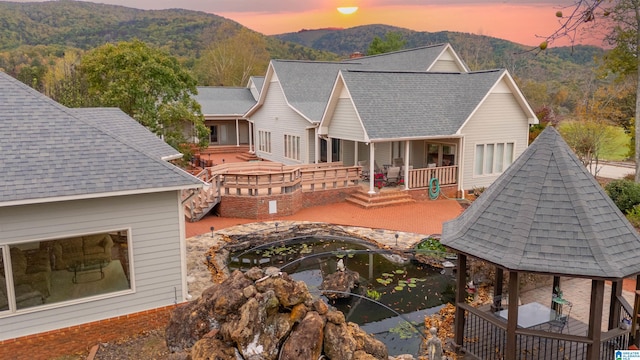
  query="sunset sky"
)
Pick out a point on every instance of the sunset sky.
point(521, 21)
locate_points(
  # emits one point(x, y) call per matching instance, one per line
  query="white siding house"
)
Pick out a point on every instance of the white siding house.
point(91, 216)
point(468, 127)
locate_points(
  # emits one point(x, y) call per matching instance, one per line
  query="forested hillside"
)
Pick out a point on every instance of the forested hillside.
point(36, 36)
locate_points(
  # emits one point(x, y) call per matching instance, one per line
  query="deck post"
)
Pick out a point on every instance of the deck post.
point(461, 278)
point(614, 307)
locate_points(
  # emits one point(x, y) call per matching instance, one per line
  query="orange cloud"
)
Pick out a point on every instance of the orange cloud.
point(523, 24)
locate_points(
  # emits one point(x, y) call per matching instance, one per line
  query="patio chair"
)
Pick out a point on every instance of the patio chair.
point(393, 175)
point(364, 164)
point(561, 321)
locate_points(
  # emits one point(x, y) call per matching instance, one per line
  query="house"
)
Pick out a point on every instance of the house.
point(464, 128)
point(92, 224)
point(224, 110)
point(295, 93)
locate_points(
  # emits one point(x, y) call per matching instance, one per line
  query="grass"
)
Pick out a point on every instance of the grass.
point(619, 147)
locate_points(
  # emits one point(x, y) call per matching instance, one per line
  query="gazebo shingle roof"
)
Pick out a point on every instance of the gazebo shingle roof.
point(547, 214)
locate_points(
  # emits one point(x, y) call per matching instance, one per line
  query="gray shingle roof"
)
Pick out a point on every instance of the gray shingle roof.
point(50, 152)
point(416, 59)
point(258, 81)
point(307, 84)
point(127, 129)
point(224, 101)
point(429, 104)
point(547, 214)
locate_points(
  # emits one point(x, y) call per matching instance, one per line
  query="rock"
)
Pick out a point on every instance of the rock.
point(342, 281)
point(336, 317)
point(368, 343)
point(305, 341)
point(256, 317)
point(213, 348)
point(338, 343)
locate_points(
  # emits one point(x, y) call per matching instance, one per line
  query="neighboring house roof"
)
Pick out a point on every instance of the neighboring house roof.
point(428, 104)
point(127, 129)
point(547, 214)
point(416, 59)
point(52, 153)
point(308, 84)
point(217, 101)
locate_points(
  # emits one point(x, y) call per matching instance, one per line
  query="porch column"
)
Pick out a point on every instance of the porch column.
point(497, 290)
point(407, 144)
point(329, 150)
point(461, 279)
point(372, 160)
point(251, 149)
point(316, 145)
point(594, 332)
point(237, 133)
point(512, 315)
point(355, 153)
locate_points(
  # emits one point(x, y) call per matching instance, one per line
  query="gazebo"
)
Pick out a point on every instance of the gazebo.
point(546, 214)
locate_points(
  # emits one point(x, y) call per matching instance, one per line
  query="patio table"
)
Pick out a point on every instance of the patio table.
point(531, 315)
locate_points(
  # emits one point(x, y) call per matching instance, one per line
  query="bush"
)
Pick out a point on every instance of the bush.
point(624, 193)
point(633, 216)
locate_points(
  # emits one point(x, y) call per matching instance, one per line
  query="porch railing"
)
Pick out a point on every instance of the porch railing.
point(420, 178)
point(486, 338)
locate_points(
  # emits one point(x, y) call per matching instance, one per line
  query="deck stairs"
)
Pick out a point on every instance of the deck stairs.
point(383, 198)
point(201, 201)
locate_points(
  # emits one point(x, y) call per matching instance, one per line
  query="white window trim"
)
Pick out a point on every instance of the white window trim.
point(294, 153)
point(264, 145)
point(12, 311)
point(493, 172)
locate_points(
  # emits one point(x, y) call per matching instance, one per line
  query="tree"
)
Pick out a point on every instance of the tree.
point(393, 41)
point(588, 139)
point(147, 84)
point(65, 84)
point(230, 61)
point(623, 23)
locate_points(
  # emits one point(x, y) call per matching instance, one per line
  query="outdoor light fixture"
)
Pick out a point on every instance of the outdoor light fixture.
point(212, 231)
point(276, 227)
point(397, 239)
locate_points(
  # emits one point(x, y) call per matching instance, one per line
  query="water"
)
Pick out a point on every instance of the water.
point(392, 291)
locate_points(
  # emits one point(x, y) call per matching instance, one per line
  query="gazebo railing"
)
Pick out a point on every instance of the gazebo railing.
point(485, 337)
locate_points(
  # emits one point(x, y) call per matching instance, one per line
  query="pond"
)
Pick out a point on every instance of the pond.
point(393, 289)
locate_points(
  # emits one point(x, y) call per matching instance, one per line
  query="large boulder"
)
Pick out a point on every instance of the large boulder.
point(342, 282)
point(266, 315)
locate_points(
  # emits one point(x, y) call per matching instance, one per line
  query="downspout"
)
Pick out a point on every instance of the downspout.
point(372, 173)
point(316, 153)
point(461, 168)
point(237, 133)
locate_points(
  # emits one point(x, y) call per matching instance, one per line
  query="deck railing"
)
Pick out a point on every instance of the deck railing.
point(486, 338)
point(420, 178)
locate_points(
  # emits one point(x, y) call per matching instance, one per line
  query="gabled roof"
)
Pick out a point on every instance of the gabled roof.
point(547, 214)
point(51, 153)
point(258, 82)
point(416, 59)
point(224, 101)
point(308, 84)
point(423, 104)
point(127, 129)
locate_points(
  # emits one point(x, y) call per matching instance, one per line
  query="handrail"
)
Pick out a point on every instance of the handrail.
point(446, 175)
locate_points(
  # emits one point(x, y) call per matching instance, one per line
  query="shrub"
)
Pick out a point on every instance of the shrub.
point(624, 193)
point(633, 216)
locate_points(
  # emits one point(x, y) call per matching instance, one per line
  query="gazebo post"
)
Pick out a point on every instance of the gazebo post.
point(512, 314)
point(461, 278)
point(594, 333)
point(554, 291)
point(614, 307)
point(497, 290)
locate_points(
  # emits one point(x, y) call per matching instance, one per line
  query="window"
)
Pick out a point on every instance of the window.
point(493, 158)
point(292, 147)
point(54, 271)
point(441, 154)
point(264, 141)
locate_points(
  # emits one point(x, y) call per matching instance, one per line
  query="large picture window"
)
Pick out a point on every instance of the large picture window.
point(493, 158)
point(292, 147)
point(264, 141)
point(53, 271)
